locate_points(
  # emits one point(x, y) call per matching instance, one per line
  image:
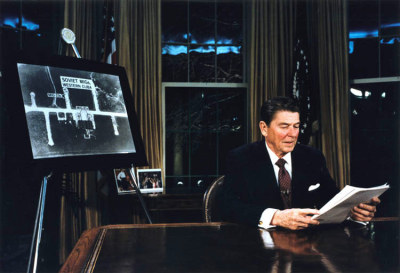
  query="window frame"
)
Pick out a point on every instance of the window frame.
point(165, 85)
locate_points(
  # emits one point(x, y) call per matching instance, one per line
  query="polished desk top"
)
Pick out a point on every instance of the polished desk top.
point(222, 247)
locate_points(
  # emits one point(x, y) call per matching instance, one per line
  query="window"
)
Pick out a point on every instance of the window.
point(374, 37)
point(202, 41)
point(31, 25)
point(205, 110)
point(374, 58)
point(202, 125)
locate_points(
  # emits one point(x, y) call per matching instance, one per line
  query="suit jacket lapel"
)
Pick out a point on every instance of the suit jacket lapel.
point(298, 168)
point(267, 181)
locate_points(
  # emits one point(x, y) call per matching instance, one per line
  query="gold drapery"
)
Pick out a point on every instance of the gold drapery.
point(83, 17)
point(138, 39)
point(331, 44)
point(272, 29)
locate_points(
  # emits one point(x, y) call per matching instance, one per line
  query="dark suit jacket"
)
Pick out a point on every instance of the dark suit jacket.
point(250, 184)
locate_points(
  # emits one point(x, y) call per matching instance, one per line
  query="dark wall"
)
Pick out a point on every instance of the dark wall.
point(19, 184)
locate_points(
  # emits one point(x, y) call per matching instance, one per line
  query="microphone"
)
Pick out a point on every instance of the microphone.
point(69, 37)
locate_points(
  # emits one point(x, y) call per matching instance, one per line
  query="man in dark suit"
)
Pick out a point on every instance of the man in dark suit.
point(259, 192)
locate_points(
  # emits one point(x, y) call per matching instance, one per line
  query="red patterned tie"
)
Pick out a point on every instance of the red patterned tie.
point(284, 183)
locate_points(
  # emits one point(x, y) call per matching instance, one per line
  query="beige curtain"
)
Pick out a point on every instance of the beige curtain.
point(79, 199)
point(84, 17)
point(272, 29)
point(138, 26)
point(330, 22)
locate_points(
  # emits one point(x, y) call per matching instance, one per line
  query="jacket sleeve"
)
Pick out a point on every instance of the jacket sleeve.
point(237, 207)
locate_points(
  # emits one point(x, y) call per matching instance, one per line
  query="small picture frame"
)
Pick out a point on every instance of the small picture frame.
point(124, 180)
point(150, 180)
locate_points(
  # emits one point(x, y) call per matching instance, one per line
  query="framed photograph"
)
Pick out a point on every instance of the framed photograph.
point(150, 180)
point(124, 181)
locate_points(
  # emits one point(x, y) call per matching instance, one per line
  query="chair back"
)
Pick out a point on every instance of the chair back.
point(212, 201)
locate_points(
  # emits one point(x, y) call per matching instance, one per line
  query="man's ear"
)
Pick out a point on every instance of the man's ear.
point(263, 128)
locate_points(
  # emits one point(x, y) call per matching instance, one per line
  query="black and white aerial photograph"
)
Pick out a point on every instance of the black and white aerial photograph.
point(74, 112)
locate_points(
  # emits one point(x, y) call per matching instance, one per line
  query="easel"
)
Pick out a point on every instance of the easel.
point(37, 230)
point(69, 37)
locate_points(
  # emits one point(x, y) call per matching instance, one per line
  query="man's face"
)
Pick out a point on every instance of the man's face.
point(281, 135)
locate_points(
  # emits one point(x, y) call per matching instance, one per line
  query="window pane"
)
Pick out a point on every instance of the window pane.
point(174, 63)
point(229, 23)
point(232, 120)
point(390, 56)
point(230, 65)
point(363, 19)
point(177, 150)
point(203, 109)
point(232, 107)
point(9, 13)
point(390, 17)
point(202, 64)
point(177, 184)
point(177, 109)
point(36, 14)
point(201, 183)
point(217, 118)
point(375, 139)
point(174, 22)
point(203, 153)
point(363, 61)
point(202, 23)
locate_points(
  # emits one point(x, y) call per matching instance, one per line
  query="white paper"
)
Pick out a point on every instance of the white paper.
point(339, 207)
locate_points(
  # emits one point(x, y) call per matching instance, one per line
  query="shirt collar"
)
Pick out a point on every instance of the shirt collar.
point(274, 157)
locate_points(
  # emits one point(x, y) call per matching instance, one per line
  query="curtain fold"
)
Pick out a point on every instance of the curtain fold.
point(330, 21)
point(84, 18)
point(272, 32)
point(138, 39)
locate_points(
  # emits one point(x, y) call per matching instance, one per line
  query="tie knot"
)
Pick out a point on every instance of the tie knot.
point(280, 163)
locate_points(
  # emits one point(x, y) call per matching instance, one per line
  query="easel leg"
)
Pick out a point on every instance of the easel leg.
point(139, 193)
point(37, 231)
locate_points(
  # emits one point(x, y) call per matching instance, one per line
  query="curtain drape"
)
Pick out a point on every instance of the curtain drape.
point(329, 20)
point(272, 32)
point(84, 17)
point(138, 39)
point(79, 198)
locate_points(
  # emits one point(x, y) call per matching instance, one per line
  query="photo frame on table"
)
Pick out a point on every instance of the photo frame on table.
point(124, 180)
point(150, 180)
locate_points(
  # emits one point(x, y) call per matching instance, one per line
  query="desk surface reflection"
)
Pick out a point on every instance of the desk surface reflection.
point(220, 247)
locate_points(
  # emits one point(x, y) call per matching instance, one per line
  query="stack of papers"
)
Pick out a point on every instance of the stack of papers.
point(338, 208)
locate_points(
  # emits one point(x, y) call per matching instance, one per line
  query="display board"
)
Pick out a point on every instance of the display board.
point(76, 113)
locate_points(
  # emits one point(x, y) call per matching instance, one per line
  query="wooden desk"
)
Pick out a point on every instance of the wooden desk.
point(219, 247)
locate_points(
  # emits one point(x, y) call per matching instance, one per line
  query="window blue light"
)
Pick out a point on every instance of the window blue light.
point(228, 49)
point(390, 41)
point(390, 25)
point(174, 49)
point(351, 47)
point(224, 41)
point(203, 49)
point(363, 34)
point(13, 22)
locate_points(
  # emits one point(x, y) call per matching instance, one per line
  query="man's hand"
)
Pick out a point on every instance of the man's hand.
point(365, 211)
point(294, 218)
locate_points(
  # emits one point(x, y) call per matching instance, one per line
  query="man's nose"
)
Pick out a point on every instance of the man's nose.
point(293, 132)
